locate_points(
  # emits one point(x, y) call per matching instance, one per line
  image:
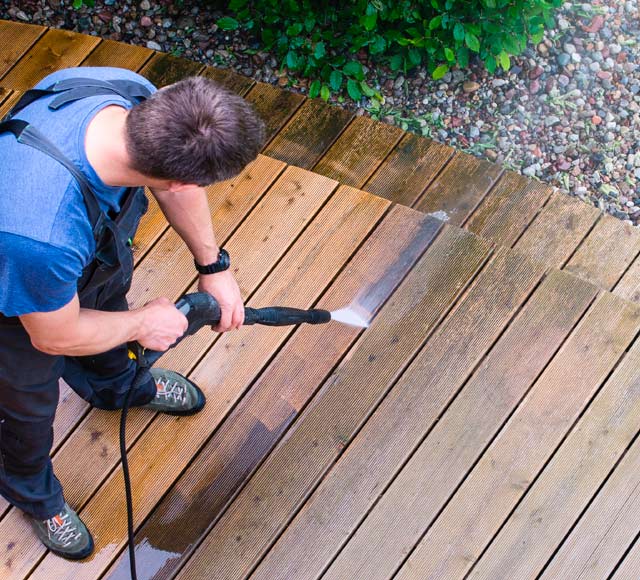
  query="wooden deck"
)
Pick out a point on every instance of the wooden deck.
point(484, 426)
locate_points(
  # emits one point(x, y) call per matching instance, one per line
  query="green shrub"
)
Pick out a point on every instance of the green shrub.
point(316, 38)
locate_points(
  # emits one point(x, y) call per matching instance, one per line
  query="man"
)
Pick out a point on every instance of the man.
point(70, 201)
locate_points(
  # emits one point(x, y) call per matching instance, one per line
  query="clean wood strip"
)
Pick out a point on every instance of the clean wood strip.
point(4, 94)
point(10, 99)
point(15, 40)
point(55, 50)
point(606, 252)
point(558, 230)
point(309, 133)
point(274, 105)
point(611, 523)
point(165, 69)
point(97, 436)
point(460, 188)
point(358, 151)
point(291, 471)
point(456, 440)
point(629, 567)
point(509, 208)
point(568, 483)
point(224, 374)
point(503, 474)
point(168, 270)
point(231, 80)
point(118, 54)
point(391, 435)
point(409, 169)
point(280, 393)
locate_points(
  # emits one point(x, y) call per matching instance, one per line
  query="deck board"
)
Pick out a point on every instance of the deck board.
point(117, 54)
point(628, 569)
point(15, 40)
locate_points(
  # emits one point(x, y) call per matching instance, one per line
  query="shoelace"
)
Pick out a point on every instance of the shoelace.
point(173, 391)
point(64, 532)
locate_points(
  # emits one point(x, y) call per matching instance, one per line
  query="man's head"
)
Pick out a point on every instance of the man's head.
point(193, 132)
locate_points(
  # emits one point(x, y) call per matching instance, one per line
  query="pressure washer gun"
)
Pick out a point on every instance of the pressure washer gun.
point(202, 309)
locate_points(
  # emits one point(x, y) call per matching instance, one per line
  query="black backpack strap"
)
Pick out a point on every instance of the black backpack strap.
point(29, 135)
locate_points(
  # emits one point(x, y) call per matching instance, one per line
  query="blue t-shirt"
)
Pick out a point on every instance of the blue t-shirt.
point(45, 234)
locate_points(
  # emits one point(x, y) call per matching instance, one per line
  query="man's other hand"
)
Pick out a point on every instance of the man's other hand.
point(224, 288)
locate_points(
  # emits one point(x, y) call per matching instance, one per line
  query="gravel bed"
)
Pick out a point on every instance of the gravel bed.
point(567, 113)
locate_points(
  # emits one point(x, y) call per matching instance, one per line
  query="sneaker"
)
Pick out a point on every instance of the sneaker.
point(175, 394)
point(65, 534)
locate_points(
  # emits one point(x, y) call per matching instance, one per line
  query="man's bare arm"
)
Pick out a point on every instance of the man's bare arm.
point(76, 331)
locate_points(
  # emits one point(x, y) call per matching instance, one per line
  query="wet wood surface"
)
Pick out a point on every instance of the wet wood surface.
point(397, 450)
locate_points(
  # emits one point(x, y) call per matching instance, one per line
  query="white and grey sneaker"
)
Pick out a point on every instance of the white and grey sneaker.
point(175, 394)
point(65, 534)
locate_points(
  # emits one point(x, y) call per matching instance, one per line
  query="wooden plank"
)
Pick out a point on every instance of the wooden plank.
point(460, 188)
point(387, 441)
point(558, 229)
point(118, 54)
point(628, 287)
point(9, 101)
point(409, 169)
point(274, 105)
point(562, 492)
point(292, 282)
point(409, 413)
point(606, 252)
point(509, 208)
point(4, 94)
point(282, 391)
point(503, 474)
point(231, 80)
point(56, 49)
point(169, 270)
point(98, 433)
point(15, 40)
point(629, 567)
point(166, 69)
point(309, 133)
point(248, 527)
point(357, 153)
point(609, 526)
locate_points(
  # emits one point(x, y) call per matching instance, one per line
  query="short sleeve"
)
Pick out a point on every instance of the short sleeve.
point(34, 276)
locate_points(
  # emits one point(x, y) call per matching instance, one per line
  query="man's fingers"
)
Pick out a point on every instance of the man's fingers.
point(238, 316)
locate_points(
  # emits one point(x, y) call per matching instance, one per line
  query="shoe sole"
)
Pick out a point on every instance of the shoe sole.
point(80, 555)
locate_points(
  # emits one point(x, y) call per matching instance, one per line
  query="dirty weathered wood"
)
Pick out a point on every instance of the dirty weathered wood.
point(343, 403)
point(118, 54)
point(504, 473)
point(460, 188)
point(409, 169)
point(558, 230)
point(15, 40)
point(165, 69)
point(309, 133)
point(56, 49)
point(358, 151)
point(231, 80)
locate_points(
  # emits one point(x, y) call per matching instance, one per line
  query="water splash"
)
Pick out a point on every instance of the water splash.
point(350, 316)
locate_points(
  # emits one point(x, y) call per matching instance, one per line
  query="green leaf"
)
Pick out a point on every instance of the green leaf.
point(320, 51)
point(228, 23)
point(335, 80)
point(471, 40)
point(369, 21)
point(442, 70)
point(377, 45)
point(458, 31)
point(309, 23)
point(236, 5)
point(505, 61)
point(435, 22)
point(449, 54)
point(395, 62)
point(77, 4)
point(367, 91)
point(354, 69)
point(325, 93)
point(314, 89)
point(354, 90)
point(292, 60)
point(294, 29)
point(490, 63)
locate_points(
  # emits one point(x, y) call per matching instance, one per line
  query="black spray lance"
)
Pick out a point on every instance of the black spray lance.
point(201, 309)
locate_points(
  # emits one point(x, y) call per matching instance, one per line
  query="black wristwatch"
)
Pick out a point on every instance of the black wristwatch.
point(221, 265)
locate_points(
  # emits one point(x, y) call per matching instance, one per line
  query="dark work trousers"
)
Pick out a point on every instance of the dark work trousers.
point(29, 395)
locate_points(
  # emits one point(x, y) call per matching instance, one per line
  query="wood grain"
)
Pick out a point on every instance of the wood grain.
point(231, 80)
point(358, 151)
point(165, 69)
point(118, 54)
point(343, 403)
point(309, 133)
point(629, 567)
point(409, 169)
point(55, 50)
point(558, 229)
point(15, 40)
point(505, 471)
point(460, 188)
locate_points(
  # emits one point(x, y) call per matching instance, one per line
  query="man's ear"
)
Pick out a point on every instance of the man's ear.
point(179, 186)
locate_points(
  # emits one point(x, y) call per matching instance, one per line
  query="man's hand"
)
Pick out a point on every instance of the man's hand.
point(224, 288)
point(162, 324)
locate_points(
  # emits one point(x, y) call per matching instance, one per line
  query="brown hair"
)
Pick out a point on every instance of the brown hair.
point(194, 131)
